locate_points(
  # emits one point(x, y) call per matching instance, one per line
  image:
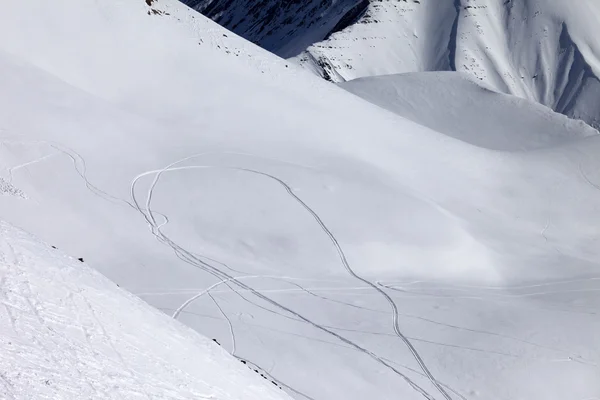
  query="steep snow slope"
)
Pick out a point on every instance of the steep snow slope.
point(390, 37)
point(453, 103)
point(285, 28)
point(346, 251)
point(540, 50)
point(69, 333)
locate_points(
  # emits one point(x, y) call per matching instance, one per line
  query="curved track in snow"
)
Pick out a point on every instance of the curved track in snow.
point(157, 232)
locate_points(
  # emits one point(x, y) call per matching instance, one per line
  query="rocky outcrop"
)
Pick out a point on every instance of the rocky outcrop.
point(525, 48)
point(283, 27)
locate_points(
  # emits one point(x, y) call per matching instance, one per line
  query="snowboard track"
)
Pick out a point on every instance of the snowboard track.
point(193, 260)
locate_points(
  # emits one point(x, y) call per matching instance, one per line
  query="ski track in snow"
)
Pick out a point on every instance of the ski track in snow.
point(506, 302)
point(501, 295)
point(571, 356)
point(543, 232)
point(587, 179)
point(501, 288)
point(11, 170)
point(152, 222)
point(79, 165)
point(196, 260)
point(316, 325)
point(299, 288)
point(65, 336)
point(231, 331)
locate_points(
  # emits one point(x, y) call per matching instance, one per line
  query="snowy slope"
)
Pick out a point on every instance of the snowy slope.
point(345, 251)
point(541, 50)
point(69, 333)
point(430, 99)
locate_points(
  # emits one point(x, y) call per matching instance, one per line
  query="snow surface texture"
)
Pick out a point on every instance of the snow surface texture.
point(67, 332)
point(453, 103)
point(542, 50)
point(345, 252)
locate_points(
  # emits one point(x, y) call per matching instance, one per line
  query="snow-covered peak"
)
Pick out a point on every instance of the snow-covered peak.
point(541, 50)
point(67, 332)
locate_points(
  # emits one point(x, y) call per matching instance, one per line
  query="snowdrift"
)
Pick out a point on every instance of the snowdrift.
point(457, 105)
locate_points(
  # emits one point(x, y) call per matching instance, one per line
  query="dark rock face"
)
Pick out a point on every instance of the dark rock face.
point(522, 48)
point(284, 27)
point(350, 17)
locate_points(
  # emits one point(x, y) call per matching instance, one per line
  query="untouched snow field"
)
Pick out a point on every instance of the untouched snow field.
point(344, 251)
point(69, 333)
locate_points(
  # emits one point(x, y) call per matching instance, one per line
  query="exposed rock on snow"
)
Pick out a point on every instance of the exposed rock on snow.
point(541, 50)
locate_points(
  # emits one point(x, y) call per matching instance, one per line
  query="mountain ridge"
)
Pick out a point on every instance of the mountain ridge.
point(543, 51)
point(276, 26)
point(521, 48)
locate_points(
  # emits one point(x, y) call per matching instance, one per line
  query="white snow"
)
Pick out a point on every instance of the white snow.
point(459, 106)
point(541, 50)
point(348, 252)
point(69, 333)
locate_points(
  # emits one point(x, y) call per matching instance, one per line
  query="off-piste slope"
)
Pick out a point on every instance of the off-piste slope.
point(344, 251)
point(67, 332)
point(457, 105)
point(541, 50)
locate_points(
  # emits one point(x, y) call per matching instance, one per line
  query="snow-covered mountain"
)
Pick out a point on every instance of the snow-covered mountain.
point(541, 50)
point(343, 251)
